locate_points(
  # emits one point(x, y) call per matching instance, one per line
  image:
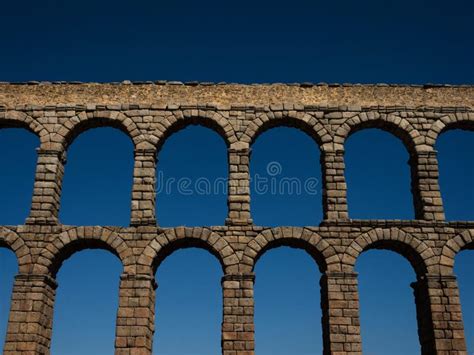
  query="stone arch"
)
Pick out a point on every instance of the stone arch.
point(84, 121)
point(182, 237)
point(462, 241)
point(18, 119)
point(303, 121)
point(11, 240)
point(179, 120)
point(399, 127)
point(76, 239)
point(303, 238)
point(464, 120)
point(420, 256)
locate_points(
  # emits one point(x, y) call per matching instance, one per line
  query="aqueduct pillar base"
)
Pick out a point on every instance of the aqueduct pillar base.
point(31, 315)
point(440, 324)
point(238, 318)
point(340, 304)
point(136, 315)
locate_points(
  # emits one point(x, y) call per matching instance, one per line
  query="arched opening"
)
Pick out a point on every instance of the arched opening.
point(388, 314)
point(98, 179)
point(8, 270)
point(287, 303)
point(456, 173)
point(286, 185)
point(86, 304)
point(17, 175)
point(188, 311)
point(377, 176)
point(192, 178)
point(463, 266)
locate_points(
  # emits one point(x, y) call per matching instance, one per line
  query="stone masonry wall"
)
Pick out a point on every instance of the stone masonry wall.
point(149, 113)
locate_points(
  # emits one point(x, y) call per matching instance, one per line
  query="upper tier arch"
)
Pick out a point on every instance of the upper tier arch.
point(181, 119)
point(18, 119)
point(303, 121)
point(84, 121)
point(399, 127)
point(464, 120)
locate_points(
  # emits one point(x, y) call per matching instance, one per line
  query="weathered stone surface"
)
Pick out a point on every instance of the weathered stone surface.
point(149, 114)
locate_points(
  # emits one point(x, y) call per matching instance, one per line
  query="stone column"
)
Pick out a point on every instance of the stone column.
point(238, 321)
point(425, 186)
point(136, 315)
point(340, 308)
point(31, 315)
point(334, 188)
point(440, 325)
point(238, 200)
point(144, 188)
point(47, 187)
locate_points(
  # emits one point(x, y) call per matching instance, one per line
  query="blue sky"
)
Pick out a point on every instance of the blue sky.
point(258, 41)
point(243, 41)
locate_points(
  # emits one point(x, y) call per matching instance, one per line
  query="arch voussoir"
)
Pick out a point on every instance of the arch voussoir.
point(11, 240)
point(453, 247)
point(178, 120)
point(13, 118)
point(451, 121)
point(79, 238)
point(391, 123)
point(182, 237)
point(84, 121)
point(323, 253)
point(303, 121)
point(395, 239)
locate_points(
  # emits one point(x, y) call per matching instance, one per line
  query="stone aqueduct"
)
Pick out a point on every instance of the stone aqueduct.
point(149, 112)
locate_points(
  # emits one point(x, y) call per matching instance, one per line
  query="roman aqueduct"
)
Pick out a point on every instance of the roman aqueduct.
point(149, 112)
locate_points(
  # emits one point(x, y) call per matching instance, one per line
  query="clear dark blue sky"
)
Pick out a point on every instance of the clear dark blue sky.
point(407, 41)
point(259, 41)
